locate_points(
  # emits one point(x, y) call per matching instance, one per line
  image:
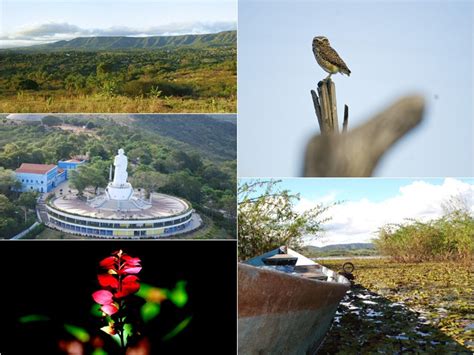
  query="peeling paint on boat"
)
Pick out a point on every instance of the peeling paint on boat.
point(284, 313)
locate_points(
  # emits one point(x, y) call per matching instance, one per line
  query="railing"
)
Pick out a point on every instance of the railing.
point(25, 232)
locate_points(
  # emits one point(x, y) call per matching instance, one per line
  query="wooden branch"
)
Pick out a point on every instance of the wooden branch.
point(356, 153)
point(317, 109)
point(346, 119)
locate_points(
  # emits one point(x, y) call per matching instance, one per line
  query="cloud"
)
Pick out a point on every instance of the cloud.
point(358, 221)
point(47, 30)
point(53, 31)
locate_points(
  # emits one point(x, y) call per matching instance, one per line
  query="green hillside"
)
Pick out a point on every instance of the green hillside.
point(213, 136)
point(227, 38)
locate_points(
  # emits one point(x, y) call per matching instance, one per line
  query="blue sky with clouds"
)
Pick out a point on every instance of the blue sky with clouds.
point(32, 22)
point(365, 205)
point(393, 48)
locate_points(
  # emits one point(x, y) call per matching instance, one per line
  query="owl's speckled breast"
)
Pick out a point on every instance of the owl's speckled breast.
point(328, 67)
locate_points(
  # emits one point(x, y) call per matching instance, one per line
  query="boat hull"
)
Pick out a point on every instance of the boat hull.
point(284, 314)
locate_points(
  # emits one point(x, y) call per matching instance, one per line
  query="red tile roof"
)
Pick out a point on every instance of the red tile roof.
point(35, 168)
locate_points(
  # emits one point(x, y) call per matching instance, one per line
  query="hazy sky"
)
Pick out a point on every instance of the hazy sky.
point(33, 22)
point(365, 205)
point(392, 49)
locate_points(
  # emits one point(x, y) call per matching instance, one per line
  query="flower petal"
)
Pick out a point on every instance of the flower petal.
point(130, 270)
point(129, 285)
point(108, 262)
point(103, 297)
point(109, 330)
point(107, 280)
point(109, 309)
point(130, 261)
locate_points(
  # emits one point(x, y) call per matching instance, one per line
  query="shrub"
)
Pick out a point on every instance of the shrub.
point(28, 84)
point(51, 121)
point(450, 237)
point(165, 88)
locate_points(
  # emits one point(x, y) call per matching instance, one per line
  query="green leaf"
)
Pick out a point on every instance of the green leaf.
point(95, 311)
point(144, 290)
point(179, 296)
point(99, 351)
point(149, 311)
point(33, 318)
point(79, 333)
point(178, 329)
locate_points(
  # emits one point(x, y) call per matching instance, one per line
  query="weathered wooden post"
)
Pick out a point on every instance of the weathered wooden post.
point(325, 105)
point(355, 153)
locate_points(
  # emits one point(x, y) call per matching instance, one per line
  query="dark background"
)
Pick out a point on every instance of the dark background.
point(57, 278)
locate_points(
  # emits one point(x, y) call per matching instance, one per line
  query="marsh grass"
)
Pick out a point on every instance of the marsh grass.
point(405, 307)
point(449, 238)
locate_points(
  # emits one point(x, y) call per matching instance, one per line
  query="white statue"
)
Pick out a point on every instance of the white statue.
point(120, 163)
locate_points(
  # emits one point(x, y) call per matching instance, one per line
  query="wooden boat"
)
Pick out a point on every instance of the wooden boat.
point(286, 303)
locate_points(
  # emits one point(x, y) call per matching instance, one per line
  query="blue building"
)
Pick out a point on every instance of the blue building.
point(70, 164)
point(39, 177)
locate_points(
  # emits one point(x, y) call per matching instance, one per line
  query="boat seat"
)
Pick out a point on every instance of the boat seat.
point(313, 272)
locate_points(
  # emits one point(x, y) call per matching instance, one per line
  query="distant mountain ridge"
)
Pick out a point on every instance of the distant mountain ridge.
point(334, 250)
point(347, 246)
point(225, 38)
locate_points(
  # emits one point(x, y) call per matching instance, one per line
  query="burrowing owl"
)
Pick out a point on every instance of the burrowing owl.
point(328, 58)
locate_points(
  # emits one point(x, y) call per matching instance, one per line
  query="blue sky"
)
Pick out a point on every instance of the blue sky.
point(33, 22)
point(392, 49)
point(365, 205)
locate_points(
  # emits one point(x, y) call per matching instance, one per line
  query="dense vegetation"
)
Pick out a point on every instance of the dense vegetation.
point(157, 162)
point(267, 219)
point(394, 308)
point(192, 78)
point(450, 237)
point(16, 210)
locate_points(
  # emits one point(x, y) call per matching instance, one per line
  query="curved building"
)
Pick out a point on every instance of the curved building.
point(120, 212)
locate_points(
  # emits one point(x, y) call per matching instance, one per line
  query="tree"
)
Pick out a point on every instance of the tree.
point(89, 175)
point(97, 149)
point(190, 161)
point(185, 185)
point(27, 201)
point(6, 207)
point(216, 178)
point(8, 181)
point(149, 180)
point(28, 84)
point(51, 121)
point(267, 219)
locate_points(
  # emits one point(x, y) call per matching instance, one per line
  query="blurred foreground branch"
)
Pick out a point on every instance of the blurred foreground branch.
point(355, 153)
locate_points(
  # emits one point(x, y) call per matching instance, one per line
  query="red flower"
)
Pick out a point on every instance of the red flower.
point(118, 282)
point(108, 262)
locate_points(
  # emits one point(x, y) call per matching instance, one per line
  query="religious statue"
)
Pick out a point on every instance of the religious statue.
point(120, 163)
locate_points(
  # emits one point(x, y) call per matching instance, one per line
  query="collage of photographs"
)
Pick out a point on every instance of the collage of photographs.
point(182, 176)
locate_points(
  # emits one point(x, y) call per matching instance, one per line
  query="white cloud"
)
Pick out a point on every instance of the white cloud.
point(53, 31)
point(358, 221)
point(306, 204)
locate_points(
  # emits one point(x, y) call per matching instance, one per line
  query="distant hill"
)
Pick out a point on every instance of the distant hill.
point(354, 249)
point(350, 246)
point(215, 135)
point(226, 38)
